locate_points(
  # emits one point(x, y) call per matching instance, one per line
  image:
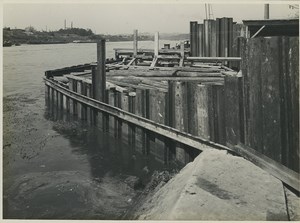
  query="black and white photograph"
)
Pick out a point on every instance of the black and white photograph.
point(150, 110)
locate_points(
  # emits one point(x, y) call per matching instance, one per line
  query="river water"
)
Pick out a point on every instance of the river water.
point(55, 167)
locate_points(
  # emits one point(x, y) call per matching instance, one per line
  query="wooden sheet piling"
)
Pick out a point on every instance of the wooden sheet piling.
point(75, 103)
point(131, 128)
point(111, 101)
point(50, 96)
point(292, 106)
point(140, 110)
point(47, 92)
point(156, 44)
point(88, 109)
point(99, 74)
point(181, 63)
point(206, 38)
point(210, 38)
point(270, 92)
point(218, 34)
point(254, 74)
point(202, 101)
point(64, 104)
point(125, 127)
point(234, 110)
point(200, 40)
point(194, 38)
point(266, 12)
point(180, 116)
point(71, 102)
point(226, 30)
point(230, 40)
point(79, 106)
point(99, 82)
point(135, 42)
point(192, 108)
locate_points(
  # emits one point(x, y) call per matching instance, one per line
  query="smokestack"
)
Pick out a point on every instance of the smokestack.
point(65, 23)
point(71, 25)
point(267, 12)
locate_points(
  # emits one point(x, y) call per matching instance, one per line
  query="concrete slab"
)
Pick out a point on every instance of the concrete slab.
point(218, 186)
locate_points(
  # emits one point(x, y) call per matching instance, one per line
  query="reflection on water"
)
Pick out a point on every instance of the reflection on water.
point(105, 152)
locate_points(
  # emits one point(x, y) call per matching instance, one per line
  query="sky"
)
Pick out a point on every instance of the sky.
point(107, 18)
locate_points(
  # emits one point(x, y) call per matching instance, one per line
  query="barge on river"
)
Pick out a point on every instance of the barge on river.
point(221, 93)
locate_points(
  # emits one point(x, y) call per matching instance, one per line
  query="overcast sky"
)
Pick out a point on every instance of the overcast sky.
point(123, 18)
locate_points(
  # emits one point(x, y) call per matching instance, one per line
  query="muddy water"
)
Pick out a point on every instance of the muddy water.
point(55, 167)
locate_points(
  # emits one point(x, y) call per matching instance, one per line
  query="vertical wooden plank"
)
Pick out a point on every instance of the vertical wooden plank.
point(193, 38)
point(213, 39)
point(84, 106)
point(139, 136)
point(54, 97)
point(271, 99)
point(244, 53)
point(255, 94)
point(181, 62)
point(170, 109)
point(200, 40)
point(156, 44)
point(118, 122)
point(79, 106)
point(47, 92)
point(234, 126)
point(65, 103)
point(266, 12)
point(125, 127)
point(211, 113)
point(218, 35)
point(226, 41)
point(50, 96)
point(75, 103)
point(202, 111)
point(98, 118)
point(105, 116)
point(157, 114)
point(131, 127)
point(192, 108)
point(206, 38)
point(219, 109)
point(230, 39)
point(61, 99)
point(135, 42)
point(99, 79)
point(179, 119)
point(58, 100)
point(88, 109)
point(71, 104)
point(222, 37)
point(146, 107)
point(111, 101)
point(293, 108)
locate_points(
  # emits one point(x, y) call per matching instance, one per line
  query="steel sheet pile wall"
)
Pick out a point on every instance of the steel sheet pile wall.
point(266, 115)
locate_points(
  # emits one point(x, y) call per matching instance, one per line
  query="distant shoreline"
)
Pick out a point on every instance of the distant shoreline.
point(75, 35)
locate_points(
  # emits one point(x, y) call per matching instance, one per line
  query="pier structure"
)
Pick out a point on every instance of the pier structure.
point(227, 92)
